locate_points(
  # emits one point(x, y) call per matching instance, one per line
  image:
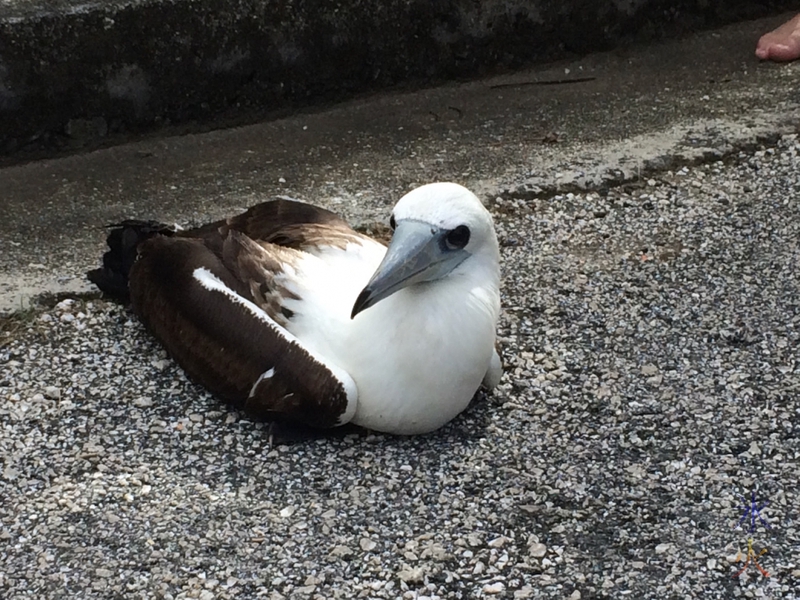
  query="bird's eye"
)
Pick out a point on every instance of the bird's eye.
point(392, 223)
point(457, 238)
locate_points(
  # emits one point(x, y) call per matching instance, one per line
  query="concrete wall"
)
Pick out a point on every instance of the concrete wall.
point(74, 75)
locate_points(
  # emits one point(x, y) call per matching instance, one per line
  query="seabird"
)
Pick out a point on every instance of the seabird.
point(288, 313)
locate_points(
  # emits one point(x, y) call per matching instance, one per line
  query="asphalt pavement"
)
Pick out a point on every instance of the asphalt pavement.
point(643, 442)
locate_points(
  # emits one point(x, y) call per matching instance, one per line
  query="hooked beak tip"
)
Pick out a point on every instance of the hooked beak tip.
point(361, 303)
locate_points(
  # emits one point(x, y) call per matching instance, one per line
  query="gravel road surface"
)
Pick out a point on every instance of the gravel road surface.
point(651, 336)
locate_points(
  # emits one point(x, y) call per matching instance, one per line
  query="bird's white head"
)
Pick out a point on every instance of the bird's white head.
point(440, 230)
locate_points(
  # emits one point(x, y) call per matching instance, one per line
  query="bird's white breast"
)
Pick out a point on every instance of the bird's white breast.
point(417, 357)
point(424, 368)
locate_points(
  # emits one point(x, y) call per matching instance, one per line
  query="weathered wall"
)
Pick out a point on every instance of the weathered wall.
point(72, 75)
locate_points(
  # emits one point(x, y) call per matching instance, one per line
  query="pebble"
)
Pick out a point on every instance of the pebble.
point(537, 550)
point(498, 542)
point(340, 550)
point(367, 544)
point(52, 392)
point(411, 574)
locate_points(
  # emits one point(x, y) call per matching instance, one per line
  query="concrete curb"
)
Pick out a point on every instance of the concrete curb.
point(79, 76)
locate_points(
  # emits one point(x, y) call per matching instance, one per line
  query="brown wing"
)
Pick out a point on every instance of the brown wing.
point(281, 222)
point(203, 312)
point(285, 223)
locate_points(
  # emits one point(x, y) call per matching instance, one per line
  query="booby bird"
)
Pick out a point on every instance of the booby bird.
point(288, 313)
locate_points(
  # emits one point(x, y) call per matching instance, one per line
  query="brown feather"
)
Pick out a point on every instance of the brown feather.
point(282, 222)
point(258, 265)
point(221, 343)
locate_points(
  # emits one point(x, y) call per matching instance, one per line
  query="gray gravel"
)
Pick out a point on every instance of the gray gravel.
point(651, 335)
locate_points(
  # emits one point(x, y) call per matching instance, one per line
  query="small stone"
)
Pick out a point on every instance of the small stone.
point(65, 304)
point(160, 364)
point(341, 551)
point(661, 548)
point(287, 511)
point(52, 392)
point(498, 542)
point(305, 590)
point(494, 588)
point(537, 550)
point(411, 574)
point(104, 573)
point(602, 392)
point(649, 369)
point(367, 544)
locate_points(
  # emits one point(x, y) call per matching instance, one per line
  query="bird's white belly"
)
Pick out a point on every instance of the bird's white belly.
point(412, 405)
point(418, 376)
point(417, 358)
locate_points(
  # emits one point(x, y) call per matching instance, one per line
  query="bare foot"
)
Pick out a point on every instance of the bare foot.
point(781, 44)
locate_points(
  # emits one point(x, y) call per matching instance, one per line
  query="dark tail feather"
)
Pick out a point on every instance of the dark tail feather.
point(123, 243)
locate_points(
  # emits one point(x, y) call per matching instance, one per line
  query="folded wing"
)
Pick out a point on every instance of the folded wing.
point(204, 312)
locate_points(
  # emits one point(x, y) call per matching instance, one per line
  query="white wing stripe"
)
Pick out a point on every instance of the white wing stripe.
point(213, 283)
point(265, 375)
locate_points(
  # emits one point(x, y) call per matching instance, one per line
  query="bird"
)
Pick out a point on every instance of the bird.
point(289, 314)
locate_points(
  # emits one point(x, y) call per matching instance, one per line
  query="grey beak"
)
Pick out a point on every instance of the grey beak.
point(416, 254)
